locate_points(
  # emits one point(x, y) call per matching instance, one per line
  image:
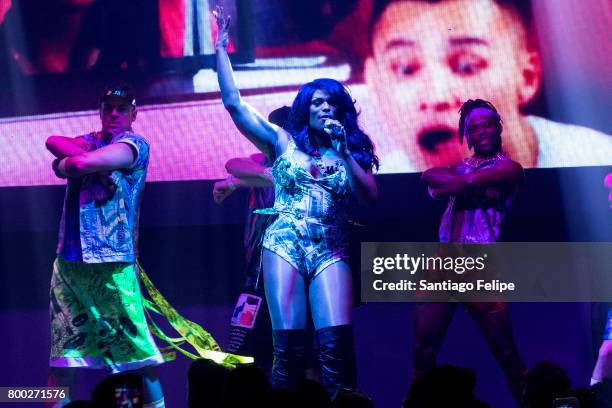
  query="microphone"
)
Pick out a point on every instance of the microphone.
point(334, 128)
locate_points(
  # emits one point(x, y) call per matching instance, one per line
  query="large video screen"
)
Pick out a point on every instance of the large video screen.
point(409, 65)
point(71, 36)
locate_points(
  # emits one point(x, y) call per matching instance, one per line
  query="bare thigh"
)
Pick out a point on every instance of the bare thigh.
point(285, 293)
point(331, 296)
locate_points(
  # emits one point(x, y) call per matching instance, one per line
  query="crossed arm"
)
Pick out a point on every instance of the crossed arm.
point(61, 146)
point(444, 182)
point(72, 160)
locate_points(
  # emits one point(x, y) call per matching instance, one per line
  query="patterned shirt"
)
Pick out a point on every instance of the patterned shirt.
point(108, 206)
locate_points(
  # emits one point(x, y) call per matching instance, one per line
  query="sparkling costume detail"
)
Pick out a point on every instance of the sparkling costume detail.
point(310, 231)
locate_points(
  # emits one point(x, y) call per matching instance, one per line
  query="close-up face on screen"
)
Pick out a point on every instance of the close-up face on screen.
point(409, 65)
point(483, 52)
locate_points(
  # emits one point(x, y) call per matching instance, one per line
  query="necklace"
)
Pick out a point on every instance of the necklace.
point(325, 170)
point(476, 162)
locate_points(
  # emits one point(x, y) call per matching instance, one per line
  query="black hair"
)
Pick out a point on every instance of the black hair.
point(467, 107)
point(358, 142)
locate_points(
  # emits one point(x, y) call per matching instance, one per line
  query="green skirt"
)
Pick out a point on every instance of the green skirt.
point(98, 319)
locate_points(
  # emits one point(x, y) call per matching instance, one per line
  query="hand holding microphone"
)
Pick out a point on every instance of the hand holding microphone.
point(337, 134)
point(333, 128)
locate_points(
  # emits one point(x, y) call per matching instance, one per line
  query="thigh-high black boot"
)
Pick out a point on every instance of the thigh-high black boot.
point(337, 357)
point(289, 365)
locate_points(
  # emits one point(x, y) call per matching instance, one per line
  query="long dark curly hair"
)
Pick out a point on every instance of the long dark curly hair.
point(467, 107)
point(358, 142)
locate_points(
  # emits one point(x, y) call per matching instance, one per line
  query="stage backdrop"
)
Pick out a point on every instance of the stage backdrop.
point(408, 64)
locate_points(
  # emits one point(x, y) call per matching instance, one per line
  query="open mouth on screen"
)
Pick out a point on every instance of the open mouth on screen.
point(430, 138)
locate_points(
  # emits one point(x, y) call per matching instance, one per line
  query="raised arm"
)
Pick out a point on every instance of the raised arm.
point(62, 146)
point(112, 157)
point(263, 134)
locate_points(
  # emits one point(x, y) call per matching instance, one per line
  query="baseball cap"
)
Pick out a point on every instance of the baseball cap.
point(119, 92)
